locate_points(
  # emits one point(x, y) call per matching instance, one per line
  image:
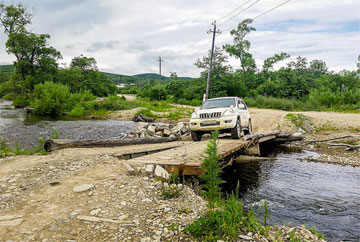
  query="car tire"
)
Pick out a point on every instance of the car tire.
point(249, 129)
point(236, 131)
point(196, 136)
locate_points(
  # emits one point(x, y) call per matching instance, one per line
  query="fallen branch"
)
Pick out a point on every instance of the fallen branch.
point(350, 147)
point(337, 138)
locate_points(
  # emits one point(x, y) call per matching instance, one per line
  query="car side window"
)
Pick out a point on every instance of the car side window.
point(242, 105)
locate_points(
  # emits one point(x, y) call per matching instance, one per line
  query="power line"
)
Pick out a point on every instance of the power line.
point(239, 12)
point(281, 4)
point(234, 10)
point(262, 14)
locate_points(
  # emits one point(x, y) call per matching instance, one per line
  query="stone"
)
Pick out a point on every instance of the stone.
point(245, 237)
point(149, 169)
point(11, 220)
point(146, 239)
point(94, 212)
point(129, 169)
point(151, 129)
point(83, 188)
point(161, 172)
point(184, 130)
point(178, 127)
point(166, 185)
point(141, 125)
point(159, 133)
point(166, 132)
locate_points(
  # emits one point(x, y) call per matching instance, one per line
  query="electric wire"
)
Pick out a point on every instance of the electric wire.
point(234, 10)
point(239, 13)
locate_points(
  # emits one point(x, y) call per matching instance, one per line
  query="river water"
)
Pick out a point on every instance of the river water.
point(325, 196)
point(17, 126)
point(316, 194)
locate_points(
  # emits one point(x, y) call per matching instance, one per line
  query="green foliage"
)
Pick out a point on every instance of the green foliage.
point(55, 133)
point(211, 177)
point(299, 120)
point(50, 98)
point(225, 223)
point(148, 113)
point(171, 192)
point(294, 238)
point(316, 233)
point(266, 214)
point(5, 150)
point(174, 178)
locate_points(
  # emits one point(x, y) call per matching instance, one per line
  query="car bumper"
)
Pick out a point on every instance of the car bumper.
point(213, 124)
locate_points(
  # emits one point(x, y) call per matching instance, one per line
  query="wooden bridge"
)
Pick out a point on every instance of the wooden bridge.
point(186, 158)
point(182, 157)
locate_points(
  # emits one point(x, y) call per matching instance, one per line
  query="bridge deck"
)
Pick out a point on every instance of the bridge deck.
point(187, 158)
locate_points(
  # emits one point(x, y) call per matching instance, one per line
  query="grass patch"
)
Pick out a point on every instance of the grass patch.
point(172, 192)
point(300, 121)
point(6, 150)
point(148, 113)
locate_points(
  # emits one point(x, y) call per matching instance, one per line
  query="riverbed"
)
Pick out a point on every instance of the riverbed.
point(324, 196)
point(25, 129)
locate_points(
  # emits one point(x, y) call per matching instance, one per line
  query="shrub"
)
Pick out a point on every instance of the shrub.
point(50, 98)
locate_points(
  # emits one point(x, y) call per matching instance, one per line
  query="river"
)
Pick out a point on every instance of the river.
point(322, 195)
point(26, 130)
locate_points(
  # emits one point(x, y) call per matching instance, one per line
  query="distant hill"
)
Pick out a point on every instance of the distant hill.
point(117, 78)
point(6, 69)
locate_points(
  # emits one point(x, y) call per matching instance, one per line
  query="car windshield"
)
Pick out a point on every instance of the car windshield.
point(218, 103)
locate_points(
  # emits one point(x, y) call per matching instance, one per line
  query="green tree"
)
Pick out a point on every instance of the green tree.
point(84, 63)
point(271, 61)
point(240, 47)
point(318, 67)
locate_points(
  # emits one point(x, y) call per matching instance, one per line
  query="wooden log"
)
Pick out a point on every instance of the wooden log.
point(249, 158)
point(258, 136)
point(337, 138)
point(349, 147)
point(56, 144)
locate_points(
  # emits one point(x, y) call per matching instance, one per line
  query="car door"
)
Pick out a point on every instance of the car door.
point(244, 113)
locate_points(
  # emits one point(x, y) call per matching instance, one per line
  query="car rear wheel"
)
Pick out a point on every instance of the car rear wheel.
point(249, 129)
point(236, 131)
point(196, 136)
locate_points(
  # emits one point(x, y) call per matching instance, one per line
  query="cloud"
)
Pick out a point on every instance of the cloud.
point(127, 37)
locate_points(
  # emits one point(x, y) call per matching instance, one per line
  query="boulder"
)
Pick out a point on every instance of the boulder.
point(149, 169)
point(141, 126)
point(151, 129)
point(161, 172)
point(166, 132)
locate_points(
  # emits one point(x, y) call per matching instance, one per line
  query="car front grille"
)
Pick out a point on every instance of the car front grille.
point(210, 115)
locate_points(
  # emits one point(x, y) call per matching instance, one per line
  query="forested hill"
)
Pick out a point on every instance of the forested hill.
point(117, 78)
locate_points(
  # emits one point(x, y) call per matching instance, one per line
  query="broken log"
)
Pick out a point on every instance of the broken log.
point(258, 136)
point(142, 118)
point(56, 144)
point(349, 147)
point(337, 138)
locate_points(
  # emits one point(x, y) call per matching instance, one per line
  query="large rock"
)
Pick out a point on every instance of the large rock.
point(141, 126)
point(167, 132)
point(161, 172)
point(83, 188)
point(149, 169)
point(151, 129)
point(178, 127)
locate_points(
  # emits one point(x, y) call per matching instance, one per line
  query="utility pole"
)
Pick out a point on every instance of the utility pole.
point(160, 60)
point(214, 32)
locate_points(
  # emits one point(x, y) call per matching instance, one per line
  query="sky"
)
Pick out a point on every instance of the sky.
point(127, 37)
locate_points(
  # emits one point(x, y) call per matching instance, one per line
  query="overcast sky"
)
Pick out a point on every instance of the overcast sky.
point(126, 37)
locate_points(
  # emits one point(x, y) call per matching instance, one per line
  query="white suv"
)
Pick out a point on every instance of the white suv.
point(226, 114)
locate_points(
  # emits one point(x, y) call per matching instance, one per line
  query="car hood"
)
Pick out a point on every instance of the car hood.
point(212, 110)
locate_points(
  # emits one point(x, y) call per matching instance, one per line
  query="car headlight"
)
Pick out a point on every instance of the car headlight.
point(228, 113)
point(194, 115)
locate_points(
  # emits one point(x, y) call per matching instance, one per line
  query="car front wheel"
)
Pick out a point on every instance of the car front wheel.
point(236, 131)
point(196, 136)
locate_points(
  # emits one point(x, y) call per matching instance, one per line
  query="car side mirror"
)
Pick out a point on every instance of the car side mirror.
point(196, 109)
point(231, 106)
point(241, 106)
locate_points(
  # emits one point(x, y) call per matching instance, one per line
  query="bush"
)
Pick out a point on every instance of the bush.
point(49, 99)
